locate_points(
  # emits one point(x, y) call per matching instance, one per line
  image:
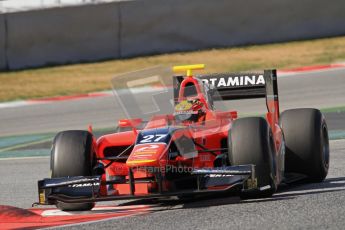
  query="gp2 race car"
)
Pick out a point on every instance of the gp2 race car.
point(197, 149)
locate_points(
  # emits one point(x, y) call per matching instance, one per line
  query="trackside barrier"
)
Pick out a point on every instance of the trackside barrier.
point(164, 26)
point(2, 42)
point(130, 28)
point(62, 35)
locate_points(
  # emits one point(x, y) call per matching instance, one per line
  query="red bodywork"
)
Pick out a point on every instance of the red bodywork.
point(211, 133)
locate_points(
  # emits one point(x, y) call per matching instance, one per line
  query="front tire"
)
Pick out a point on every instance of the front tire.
point(72, 155)
point(251, 142)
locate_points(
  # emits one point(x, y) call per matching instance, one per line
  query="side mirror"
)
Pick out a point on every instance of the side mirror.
point(130, 123)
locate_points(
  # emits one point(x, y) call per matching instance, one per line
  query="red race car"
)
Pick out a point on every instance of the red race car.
point(198, 148)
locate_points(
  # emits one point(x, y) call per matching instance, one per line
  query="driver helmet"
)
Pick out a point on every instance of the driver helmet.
point(190, 110)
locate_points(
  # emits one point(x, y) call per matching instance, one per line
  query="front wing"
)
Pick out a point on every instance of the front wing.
point(82, 189)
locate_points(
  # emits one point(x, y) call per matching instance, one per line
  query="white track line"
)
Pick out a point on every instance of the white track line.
point(96, 221)
point(23, 158)
point(307, 191)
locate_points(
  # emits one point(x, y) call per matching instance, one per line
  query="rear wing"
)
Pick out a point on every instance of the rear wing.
point(233, 86)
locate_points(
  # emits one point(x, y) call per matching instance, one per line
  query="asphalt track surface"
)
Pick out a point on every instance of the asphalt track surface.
point(320, 89)
point(303, 206)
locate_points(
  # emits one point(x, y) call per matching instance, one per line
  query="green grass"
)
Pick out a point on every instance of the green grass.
point(91, 77)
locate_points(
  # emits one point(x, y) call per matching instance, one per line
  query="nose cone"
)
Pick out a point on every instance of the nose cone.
point(146, 155)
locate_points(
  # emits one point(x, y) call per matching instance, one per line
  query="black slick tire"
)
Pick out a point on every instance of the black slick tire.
point(250, 141)
point(72, 155)
point(307, 143)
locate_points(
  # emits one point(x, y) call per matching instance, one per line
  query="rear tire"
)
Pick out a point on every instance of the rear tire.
point(250, 141)
point(307, 143)
point(72, 155)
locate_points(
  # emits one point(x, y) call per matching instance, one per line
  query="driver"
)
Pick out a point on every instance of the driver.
point(190, 111)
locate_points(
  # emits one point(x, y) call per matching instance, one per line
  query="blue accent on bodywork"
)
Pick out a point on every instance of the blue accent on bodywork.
point(157, 135)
